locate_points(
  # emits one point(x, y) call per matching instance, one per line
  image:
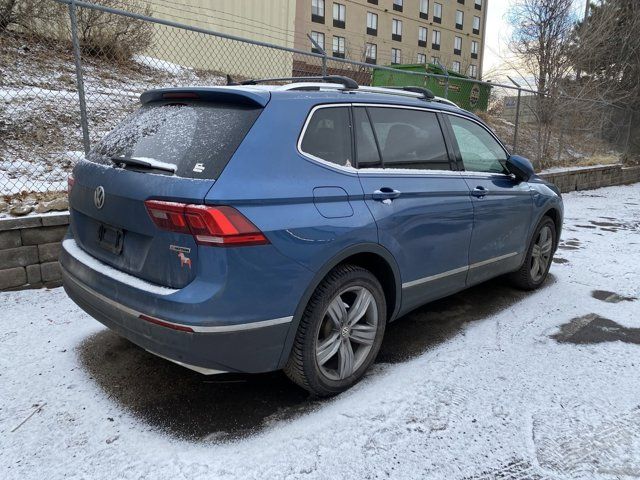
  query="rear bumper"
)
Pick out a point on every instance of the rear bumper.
point(250, 347)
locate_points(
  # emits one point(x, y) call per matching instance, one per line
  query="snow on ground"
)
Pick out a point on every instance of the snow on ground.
point(489, 383)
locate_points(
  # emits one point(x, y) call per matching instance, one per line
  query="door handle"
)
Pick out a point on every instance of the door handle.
point(385, 193)
point(479, 192)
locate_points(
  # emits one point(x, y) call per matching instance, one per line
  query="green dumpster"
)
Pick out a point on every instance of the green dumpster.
point(462, 90)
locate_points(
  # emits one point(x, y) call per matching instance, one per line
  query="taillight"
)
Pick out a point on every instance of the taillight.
point(217, 226)
point(168, 215)
point(70, 182)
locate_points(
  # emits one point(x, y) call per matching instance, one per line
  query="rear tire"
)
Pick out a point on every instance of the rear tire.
point(340, 332)
point(537, 262)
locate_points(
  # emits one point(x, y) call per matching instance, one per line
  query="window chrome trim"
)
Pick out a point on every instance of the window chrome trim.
point(357, 171)
point(455, 271)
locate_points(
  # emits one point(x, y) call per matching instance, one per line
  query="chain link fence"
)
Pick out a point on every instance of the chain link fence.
point(71, 70)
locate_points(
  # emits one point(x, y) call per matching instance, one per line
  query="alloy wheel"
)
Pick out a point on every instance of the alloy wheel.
point(541, 253)
point(346, 333)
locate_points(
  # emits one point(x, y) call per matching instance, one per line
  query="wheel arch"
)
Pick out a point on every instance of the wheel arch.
point(372, 256)
point(554, 214)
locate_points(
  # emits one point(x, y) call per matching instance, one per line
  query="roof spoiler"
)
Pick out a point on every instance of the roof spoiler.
point(249, 98)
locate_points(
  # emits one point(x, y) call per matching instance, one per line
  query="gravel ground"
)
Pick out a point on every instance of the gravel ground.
point(489, 383)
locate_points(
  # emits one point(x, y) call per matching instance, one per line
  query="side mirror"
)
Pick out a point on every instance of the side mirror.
point(520, 167)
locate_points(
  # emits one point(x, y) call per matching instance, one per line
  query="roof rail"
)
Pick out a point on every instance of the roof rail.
point(347, 82)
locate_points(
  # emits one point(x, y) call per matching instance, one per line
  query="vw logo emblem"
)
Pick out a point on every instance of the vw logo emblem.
point(98, 197)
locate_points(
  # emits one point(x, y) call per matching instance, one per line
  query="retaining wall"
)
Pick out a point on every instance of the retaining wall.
point(29, 246)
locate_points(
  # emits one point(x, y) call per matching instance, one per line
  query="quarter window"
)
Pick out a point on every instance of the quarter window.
point(409, 139)
point(480, 152)
point(328, 136)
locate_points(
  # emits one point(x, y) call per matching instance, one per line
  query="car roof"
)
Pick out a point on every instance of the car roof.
point(308, 92)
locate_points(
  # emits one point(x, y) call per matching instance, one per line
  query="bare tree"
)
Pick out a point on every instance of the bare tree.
point(6, 13)
point(540, 40)
point(605, 48)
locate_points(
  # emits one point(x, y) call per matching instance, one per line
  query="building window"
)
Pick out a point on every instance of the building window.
point(397, 5)
point(437, 12)
point(339, 15)
point(455, 66)
point(317, 37)
point(370, 52)
point(476, 25)
point(338, 47)
point(317, 11)
point(459, 19)
point(474, 49)
point(396, 30)
point(478, 5)
point(424, 9)
point(375, 2)
point(473, 71)
point(422, 36)
point(422, 58)
point(435, 60)
point(372, 23)
point(461, 2)
point(396, 55)
point(457, 46)
point(435, 40)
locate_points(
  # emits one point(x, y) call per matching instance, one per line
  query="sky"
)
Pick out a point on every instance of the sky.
point(497, 35)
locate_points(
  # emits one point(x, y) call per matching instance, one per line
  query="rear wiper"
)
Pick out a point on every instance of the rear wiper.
point(149, 163)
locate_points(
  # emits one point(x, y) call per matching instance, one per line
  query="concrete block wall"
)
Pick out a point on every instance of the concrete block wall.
point(29, 249)
point(589, 178)
point(29, 246)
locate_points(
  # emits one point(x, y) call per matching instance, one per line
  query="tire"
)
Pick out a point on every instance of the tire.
point(320, 360)
point(542, 247)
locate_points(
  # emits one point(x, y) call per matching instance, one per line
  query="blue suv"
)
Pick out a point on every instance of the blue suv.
point(250, 228)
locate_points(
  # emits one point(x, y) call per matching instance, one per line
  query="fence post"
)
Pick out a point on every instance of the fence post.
point(79, 79)
point(515, 129)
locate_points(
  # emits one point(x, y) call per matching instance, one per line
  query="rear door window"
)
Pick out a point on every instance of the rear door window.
point(328, 135)
point(198, 138)
point(409, 138)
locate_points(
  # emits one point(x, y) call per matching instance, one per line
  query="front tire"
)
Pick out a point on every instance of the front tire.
point(340, 332)
point(537, 262)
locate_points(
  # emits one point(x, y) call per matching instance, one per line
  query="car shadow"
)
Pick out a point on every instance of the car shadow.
point(223, 407)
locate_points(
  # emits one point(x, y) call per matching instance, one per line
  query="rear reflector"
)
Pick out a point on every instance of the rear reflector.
point(220, 226)
point(162, 323)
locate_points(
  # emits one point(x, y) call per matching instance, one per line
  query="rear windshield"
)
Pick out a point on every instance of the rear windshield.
point(197, 138)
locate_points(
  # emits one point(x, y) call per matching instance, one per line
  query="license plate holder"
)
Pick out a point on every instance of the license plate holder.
point(110, 238)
